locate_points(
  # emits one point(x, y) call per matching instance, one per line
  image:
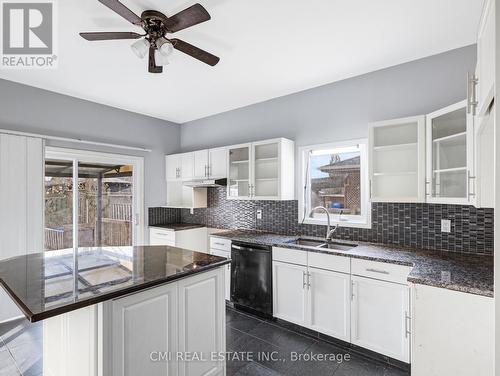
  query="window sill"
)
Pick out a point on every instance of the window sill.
point(354, 224)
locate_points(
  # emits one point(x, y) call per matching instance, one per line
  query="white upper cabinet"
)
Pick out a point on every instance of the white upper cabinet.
point(179, 166)
point(200, 164)
point(217, 163)
point(484, 154)
point(173, 166)
point(486, 58)
point(450, 172)
point(238, 184)
point(261, 170)
point(397, 156)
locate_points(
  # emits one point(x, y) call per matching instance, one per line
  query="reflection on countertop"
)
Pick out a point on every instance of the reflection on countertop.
point(44, 284)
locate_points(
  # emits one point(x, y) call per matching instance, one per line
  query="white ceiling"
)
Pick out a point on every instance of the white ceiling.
point(268, 48)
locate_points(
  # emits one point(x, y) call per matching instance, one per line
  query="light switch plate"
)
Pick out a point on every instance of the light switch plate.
point(259, 214)
point(445, 225)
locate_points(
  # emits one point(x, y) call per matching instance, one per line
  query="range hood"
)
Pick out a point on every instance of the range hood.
point(205, 183)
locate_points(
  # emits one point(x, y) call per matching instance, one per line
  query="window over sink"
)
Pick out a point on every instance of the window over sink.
point(335, 176)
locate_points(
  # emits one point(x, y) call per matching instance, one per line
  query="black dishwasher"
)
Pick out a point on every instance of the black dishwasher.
point(251, 278)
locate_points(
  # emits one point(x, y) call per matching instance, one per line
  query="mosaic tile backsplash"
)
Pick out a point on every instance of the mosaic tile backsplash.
point(409, 225)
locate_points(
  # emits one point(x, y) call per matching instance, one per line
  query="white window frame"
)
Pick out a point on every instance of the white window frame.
point(357, 221)
point(88, 156)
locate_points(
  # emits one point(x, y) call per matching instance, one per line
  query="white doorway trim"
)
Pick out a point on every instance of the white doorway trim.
point(99, 157)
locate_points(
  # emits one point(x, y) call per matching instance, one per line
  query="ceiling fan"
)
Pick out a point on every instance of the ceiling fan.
point(155, 40)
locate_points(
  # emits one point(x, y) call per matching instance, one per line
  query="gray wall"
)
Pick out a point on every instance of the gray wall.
point(341, 110)
point(28, 109)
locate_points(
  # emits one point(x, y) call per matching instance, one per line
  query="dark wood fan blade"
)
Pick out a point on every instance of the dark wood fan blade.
point(152, 67)
point(122, 10)
point(188, 17)
point(109, 36)
point(195, 52)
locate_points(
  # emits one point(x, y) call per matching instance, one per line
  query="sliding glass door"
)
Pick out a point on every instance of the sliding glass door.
point(92, 200)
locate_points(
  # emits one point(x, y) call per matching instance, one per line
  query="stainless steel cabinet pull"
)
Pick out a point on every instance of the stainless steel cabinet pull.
point(304, 280)
point(427, 183)
point(472, 102)
point(220, 244)
point(377, 271)
point(469, 178)
point(308, 280)
point(352, 290)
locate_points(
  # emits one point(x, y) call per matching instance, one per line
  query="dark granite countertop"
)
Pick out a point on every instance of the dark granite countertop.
point(451, 270)
point(43, 284)
point(178, 226)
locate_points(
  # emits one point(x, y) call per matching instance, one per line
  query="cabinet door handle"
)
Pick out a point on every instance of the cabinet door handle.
point(427, 183)
point(469, 178)
point(407, 324)
point(377, 271)
point(219, 244)
point(352, 290)
point(304, 283)
point(472, 102)
point(308, 280)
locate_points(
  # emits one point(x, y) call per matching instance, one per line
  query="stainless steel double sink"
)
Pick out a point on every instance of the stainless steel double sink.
point(322, 244)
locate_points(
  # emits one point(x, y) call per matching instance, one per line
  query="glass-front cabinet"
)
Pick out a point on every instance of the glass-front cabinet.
point(450, 173)
point(397, 156)
point(239, 185)
point(261, 170)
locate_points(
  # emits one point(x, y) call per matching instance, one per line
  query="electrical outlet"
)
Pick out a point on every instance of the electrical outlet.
point(259, 214)
point(445, 225)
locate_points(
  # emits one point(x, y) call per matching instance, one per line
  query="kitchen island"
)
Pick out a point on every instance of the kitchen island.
point(151, 310)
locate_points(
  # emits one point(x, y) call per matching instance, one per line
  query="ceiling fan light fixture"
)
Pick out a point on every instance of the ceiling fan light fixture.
point(161, 59)
point(140, 48)
point(164, 46)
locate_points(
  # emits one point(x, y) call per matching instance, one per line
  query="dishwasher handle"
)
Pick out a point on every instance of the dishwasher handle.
point(250, 247)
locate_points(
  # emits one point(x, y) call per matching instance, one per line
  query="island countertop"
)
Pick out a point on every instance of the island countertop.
point(43, 284)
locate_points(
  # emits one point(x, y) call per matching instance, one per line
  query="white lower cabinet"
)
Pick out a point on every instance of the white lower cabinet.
point(193, 239)
point(380, 319)
point(150, 318)
point(202, 331)
point(290, 292)
point(329, 303)
point(168, 320)
point(227, 271)
point(315, 298)
point(453, 333)
point(363, 302)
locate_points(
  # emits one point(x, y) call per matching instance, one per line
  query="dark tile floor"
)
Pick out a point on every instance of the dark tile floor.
point(256, 348)
point(293, 353)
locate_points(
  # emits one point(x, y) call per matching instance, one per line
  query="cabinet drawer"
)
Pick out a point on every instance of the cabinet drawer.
point(329, 262)
point(220, 244)
point(380, 270)
point(292, 256)
point(165, 235)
